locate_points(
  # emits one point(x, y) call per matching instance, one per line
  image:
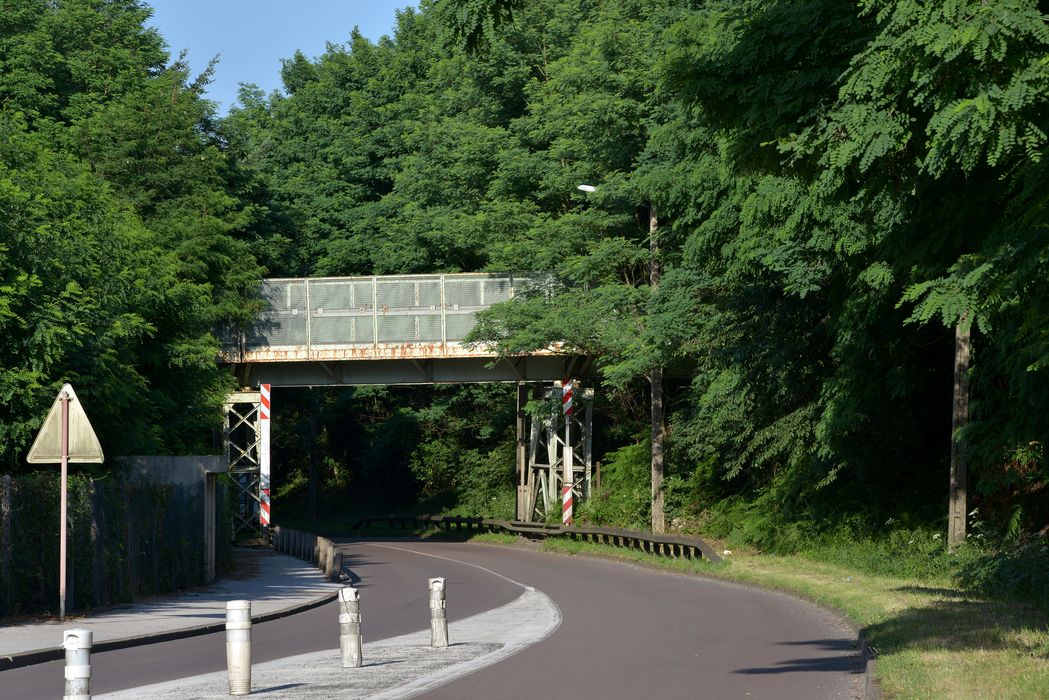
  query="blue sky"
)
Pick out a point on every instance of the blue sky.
point(252, 36)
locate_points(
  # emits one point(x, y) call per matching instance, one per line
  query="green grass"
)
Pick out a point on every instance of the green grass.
point(932, 640)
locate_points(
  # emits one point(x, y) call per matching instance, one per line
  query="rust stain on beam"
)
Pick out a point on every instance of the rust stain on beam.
point(382, 351)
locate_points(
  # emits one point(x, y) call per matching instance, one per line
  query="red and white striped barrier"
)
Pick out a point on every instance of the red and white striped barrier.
point(566, 491)
point(264, 455)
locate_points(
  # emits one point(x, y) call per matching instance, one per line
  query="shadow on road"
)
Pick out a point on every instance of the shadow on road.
point(847, 660)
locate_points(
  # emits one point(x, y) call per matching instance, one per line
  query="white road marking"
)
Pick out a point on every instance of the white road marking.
point(456, 561)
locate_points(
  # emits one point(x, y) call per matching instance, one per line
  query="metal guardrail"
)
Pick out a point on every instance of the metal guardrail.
point(672, 546)
point(320, 551)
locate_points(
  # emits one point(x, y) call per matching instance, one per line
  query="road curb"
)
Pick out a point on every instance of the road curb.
point(38, 656)
point(871, 686)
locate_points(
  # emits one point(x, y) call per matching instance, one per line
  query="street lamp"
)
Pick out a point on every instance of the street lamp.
point(655, 378)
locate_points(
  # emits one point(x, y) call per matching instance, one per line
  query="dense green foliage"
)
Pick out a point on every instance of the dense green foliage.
point(837, 186)
point(120, 230)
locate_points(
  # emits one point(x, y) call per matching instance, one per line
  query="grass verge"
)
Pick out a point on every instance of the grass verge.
point(931, 639)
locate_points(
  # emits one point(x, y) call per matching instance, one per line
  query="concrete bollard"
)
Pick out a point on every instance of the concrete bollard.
point(336, 569)
point(238, 646)
point(77, 644)
point(329, 559)
point(438, 614)
point(350, 627)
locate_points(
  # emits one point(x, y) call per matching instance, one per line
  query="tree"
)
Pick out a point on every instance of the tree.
point(73, 262)
point(122, 227)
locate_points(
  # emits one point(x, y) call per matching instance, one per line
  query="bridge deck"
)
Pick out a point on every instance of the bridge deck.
point(405, 329)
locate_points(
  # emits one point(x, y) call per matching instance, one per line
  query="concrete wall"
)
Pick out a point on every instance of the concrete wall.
point(195, 473)
point(182, 471)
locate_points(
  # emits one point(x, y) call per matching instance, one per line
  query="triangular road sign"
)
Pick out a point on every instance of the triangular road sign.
point(83, 445)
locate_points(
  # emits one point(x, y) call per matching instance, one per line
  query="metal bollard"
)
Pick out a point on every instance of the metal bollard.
point(77, 644)
point(350, 627)
point(438, 614)
point(238, 646)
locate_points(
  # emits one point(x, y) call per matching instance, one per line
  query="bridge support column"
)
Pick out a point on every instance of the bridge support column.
point(524, 497)
point(548, 452)
point(242, 439)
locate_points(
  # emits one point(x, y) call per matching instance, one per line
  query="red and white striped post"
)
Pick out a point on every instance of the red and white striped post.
point(264, 458)
point(566, 491)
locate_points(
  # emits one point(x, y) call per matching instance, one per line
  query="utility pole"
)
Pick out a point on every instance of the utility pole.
point(655, 378)
point(957, 509)
point(655, 375)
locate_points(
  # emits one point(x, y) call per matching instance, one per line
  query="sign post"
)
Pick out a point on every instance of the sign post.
point(63, 397)
point(66, 436)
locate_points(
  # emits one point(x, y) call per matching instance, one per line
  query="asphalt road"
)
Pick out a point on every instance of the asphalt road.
point(631, 633)
point(627, 632)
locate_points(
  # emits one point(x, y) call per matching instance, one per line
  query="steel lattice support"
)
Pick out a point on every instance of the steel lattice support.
point(539, 488)
point(242, 438)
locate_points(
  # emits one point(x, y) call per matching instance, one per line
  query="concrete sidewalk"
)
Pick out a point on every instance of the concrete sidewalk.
point(276, 585)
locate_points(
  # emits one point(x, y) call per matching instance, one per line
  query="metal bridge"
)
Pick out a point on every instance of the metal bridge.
point(397, 330)
point(405, 329)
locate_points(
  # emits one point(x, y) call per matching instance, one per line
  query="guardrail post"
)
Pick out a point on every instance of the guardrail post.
point(77, 644)
point(238, 646)
point(438, 614)
point(350, 627)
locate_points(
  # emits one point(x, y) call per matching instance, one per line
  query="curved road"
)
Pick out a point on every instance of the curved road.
point(627, 632)
point(631, 632)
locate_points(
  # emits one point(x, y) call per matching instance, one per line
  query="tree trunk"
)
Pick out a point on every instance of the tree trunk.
point(656, 381)
point(957, 509)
